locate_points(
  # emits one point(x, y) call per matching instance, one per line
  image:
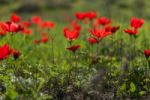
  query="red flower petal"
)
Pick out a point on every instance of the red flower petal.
point(73, 48)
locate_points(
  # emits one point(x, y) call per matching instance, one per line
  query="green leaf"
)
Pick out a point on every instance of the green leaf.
point(132, 87)
point(141, 93)
point(12, 94)
point(123, 87)
point(41, 83)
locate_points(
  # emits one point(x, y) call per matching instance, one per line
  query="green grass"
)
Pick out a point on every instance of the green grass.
point(33, 73)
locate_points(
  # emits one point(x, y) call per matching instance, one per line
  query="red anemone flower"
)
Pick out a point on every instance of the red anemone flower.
point(73, 48)
point(147, 53)
point(99, 33)
point(47, 24)
point(136, 23)
point(4, 51)
point(80, 15)
point(103, 21)
point(112, 29)
point(92, 40)
point(13, 27)
point(131, 32)
point(44, 39)
point(91, 15)
point(15, 18)
point(36, 19)
point(71, 35)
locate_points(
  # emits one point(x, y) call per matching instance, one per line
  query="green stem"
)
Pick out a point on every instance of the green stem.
point(92, 53)
point(53, 55)
point(147, 68)
point(111, 52)
point(97, 49)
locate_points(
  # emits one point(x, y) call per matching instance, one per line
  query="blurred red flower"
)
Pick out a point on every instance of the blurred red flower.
point(44, 39)
point(73, 48)
point(12, 27)
point(92, 40)
point(71, 34)
point(84, 15)
point(112, 29)
point(131, 32)
point(15, 18)
point(136, 23)
point(36, 19)
point(80, 15)
point(99, 33)
point(147, 53)
point(4, 51)
point(91, 15)
point(103, 21)
point(47, 24)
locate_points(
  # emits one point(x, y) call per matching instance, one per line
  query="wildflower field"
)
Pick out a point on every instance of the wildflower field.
point(86, 57)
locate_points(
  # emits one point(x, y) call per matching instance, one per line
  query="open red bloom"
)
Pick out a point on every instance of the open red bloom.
point(147, 53)
point(4, 51)
point(36, 19)
point(131, 32)
point(91, 15)
point(15, 53)
point(15, 18)
point(112, 29)
point(103, 21)
point(99, 33)
point(13, 27)
point(136, 23)
point(47, 24)
point(92, 40)
point(80, 15)
point(44, 39)
point(74, 48)
point(71, 35)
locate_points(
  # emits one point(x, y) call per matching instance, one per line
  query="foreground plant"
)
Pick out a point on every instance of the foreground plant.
point(147, 55)
point(135, 24)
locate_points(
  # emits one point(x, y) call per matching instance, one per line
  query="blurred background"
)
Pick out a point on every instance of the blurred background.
point(63, 10)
